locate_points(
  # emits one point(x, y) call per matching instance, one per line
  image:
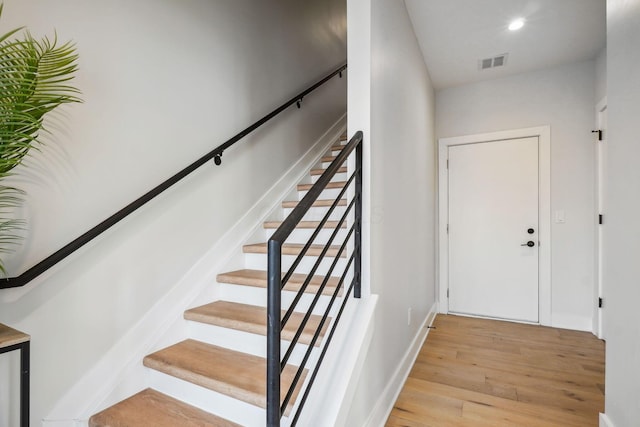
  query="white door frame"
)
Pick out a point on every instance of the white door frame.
point(598, 292)
point(544, 264)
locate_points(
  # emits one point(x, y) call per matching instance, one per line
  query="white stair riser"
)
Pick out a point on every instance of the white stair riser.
point(325, 165)
point(259, 262)
point(244, 342)
point(328, 193)
point(258, 296)
point(302, 235)
point(216, 403)
point(340, 176)
point(318, 213)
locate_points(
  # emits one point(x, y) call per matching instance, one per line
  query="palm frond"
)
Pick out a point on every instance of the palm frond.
point(10, 198)
point(35, 77)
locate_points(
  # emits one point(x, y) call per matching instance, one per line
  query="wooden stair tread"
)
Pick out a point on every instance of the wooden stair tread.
point(10, 336)
point(294, 249)
point(239, 375)
point(258, 278)
point(320, 171)
point(307, 224)
point(251, 318)
point(152, 408)
point(318, 203)
point(336, 184)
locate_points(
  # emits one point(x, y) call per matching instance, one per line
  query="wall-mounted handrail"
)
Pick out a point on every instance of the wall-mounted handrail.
point(276, 281)
point(215, 154)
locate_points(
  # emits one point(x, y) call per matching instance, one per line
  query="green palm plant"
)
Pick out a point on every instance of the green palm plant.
point(34, 80)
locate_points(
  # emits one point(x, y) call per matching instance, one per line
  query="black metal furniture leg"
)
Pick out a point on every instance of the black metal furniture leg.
point(25, 354)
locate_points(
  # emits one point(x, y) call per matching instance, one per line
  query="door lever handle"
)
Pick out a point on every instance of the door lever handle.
point(529, 243)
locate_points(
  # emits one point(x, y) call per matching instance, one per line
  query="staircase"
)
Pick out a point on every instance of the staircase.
point(217, 376)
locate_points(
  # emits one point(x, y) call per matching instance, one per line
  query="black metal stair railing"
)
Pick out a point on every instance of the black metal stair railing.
point(276, 321)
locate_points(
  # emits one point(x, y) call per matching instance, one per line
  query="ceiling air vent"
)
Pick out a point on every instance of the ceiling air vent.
point(496, 61)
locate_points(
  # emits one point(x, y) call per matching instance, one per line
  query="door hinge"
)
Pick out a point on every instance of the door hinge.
point(447, 293)
point(600, 219)
point(447, 228)
point(599, 132)
point(447, 163)
point(600, 302)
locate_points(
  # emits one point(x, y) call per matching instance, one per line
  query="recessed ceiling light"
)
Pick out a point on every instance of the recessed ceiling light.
point(516, 24)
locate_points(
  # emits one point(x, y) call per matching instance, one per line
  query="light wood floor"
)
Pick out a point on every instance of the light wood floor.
point(477, 372)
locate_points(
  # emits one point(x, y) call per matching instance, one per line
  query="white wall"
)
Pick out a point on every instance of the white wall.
point(359, 108)
point(163, 83)
point(622, 229)
point(601, 74)
point(359, 113)
point(563, 98)
point(400, 194)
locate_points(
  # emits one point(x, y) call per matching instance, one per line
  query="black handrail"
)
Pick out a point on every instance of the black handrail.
point(215, 154)
point(276, 282)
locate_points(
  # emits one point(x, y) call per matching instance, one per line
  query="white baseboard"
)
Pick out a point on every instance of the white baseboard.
point(385, 402)
point(119, 373)
point(605, 421)
point(569, 321)
point(63, 423)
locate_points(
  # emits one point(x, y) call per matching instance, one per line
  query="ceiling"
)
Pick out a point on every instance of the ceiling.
point(455, 34)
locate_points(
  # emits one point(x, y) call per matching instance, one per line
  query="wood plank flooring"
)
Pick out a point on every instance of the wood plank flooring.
point(479, 372)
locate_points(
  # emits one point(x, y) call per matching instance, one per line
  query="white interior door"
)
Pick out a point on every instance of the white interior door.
point(493, 229)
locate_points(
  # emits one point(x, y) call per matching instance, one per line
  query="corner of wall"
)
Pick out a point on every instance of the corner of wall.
point(605, 421)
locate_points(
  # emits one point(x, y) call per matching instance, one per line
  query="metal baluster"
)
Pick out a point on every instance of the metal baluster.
point(274, 277)
point(357, 247)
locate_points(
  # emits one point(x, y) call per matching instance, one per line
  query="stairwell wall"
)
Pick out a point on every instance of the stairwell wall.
point(601, 74)
point(163, 83)
point(622, 209)
point(399, 195)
